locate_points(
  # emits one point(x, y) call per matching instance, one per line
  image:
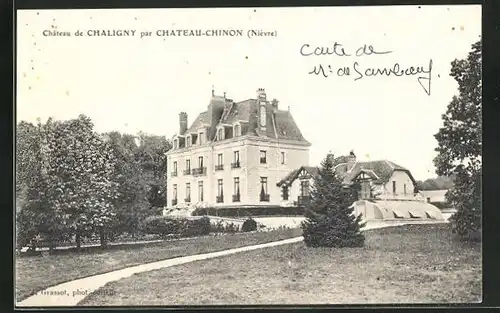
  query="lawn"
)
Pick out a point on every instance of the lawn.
point(407, 264)
point(39, 272)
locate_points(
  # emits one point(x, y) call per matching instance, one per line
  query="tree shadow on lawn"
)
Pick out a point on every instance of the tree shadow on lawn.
point(406, 264)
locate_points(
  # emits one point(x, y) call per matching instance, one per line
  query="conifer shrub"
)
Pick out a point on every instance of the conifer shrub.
point(330, 220)
point(249, 225)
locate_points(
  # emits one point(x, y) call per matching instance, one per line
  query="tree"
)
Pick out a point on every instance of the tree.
point(151, 156)
point(460, 144)
point(131, 204)
point(330, 220)
point(80, 168)
point(37, 216)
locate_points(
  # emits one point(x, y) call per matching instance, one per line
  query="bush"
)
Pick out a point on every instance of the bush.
point(249, 225)
point(220, 227)
point(255, 211)
point(165, 225)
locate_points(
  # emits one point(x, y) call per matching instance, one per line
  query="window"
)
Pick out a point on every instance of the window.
point(236, 186)
point(428, 199)
point(393, 186)
point(236, 156)
point(200, 191)
point(188, 165)
point(237, 130)
point(404, 189)
point(263, 157)
point(264, 196)
point(282, 157)
point(285, 192)
point(219, 159)
point(200, 140)
point(220, 134)
point(188, 192)
point(188, 141)
point(304, 188)
point(200, 162)
point(176, 144)
point(174, 165)
point(174, 192)
point(220, 191)
point(263, 185)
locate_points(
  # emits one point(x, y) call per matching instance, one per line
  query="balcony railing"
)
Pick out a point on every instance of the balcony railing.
point(219, 167)
point(187, 172)
point(219, 199)
point(174, 202)
point(200, 171)
point(235, 165)
point(187, 200)
point(264, 197)
point(303, 200)
point(173, 174)
point(236, 198)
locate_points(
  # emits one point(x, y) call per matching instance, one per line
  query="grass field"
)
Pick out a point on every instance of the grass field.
point(407, 264)
point(39, 272)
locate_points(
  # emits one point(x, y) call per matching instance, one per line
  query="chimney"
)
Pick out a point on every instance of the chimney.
point(183, 123)
point(261, 99)
point(275, 104)
point(351, 160)
point(261, 94)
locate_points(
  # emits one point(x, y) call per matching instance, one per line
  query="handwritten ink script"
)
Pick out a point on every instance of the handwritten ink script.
point(358, 71)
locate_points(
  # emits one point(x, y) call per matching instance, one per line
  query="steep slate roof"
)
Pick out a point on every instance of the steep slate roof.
point(381, 171)
point(247, 112)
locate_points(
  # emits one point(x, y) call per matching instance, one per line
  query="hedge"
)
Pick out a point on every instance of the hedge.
point(179, 227)
point(251, 211)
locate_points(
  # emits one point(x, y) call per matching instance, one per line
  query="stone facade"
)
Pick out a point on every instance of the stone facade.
point(234, 154)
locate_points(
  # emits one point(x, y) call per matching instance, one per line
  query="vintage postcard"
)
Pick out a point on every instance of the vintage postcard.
point(248, 156)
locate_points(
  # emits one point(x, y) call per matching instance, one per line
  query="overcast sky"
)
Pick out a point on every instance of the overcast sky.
point(131, 84)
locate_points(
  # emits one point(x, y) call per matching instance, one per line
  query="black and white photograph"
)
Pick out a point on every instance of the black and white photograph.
point(248, 156)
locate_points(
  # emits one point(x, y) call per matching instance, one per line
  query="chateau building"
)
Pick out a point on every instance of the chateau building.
point(234, 154)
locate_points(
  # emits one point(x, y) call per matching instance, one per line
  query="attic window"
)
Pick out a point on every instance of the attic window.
point(220, 134)
point(200, 136)
point(237, 130)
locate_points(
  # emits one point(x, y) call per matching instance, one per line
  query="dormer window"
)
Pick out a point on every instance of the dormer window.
point(237, 130)
point(200, 138)
point(220, 134)
point(176, 144)
point(188, 141)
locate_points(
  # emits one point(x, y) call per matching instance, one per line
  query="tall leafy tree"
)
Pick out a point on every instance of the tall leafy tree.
point(459, 145)
point(81, 168)
point(151, 155)
point(131, 203)
point(330, 220)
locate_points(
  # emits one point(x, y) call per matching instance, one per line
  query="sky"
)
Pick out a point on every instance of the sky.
point(132, 84)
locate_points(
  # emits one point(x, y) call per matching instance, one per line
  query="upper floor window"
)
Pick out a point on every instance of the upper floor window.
point(282, 157)
point(220, 134)
point(200, 162)
point(393, 186)
point(174, 165)
point(237, 130)
point(263, 157)
point(220, 161)
point(188, 165)
point(404, 189)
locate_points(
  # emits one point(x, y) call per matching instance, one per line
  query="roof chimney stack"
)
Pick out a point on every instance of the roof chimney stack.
point(351, 160)
point(183, 123)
